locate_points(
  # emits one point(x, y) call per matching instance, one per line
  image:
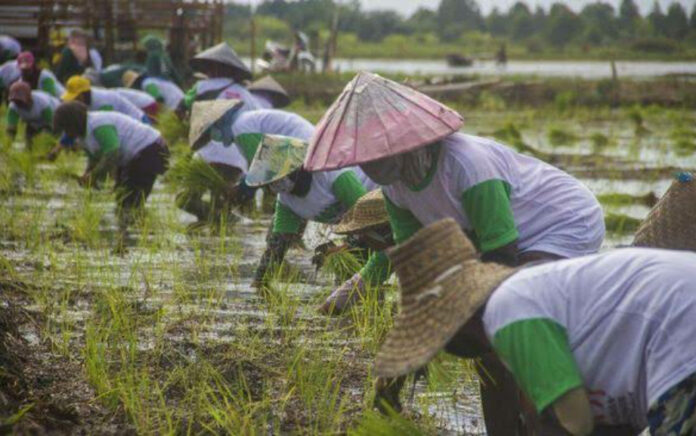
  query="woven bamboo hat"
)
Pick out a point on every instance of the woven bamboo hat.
point(211, 115)
point(442, 285)
point(276, 157)
point(671, 224)
point(375, 118)
point(221, 56)
point(274, 89)
point(369, 211)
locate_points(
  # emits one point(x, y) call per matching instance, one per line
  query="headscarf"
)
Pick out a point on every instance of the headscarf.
point(410, 168)
point(70, 117)
point(20, 91)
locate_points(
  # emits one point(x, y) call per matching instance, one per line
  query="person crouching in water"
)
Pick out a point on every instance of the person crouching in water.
point(600, 344)
point(35, 108)
point(516, 208)
point(134, 153)
point(301, 196)
point(365, 227)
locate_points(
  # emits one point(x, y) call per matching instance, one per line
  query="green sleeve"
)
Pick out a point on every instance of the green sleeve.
point(49, 86)
point(348, 189)
point(12, 118)
point(107, 137)
point(377, 269)
point(487, 205)
point(538, 354)
point(403, 223)
point(248, 143)
point(190, 97)
point(154, 91)
point(47, 116)
point(285, 220)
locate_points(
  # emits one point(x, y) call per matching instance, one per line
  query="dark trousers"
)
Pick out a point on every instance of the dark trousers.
point(135, 180)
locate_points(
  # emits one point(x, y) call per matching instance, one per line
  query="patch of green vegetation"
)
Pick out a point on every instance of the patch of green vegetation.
point(599, 141)
point(559, 136)
point(622, 224)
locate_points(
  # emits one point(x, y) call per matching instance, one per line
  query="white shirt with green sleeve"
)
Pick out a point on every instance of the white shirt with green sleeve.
point(108, 100)
point(498, 196)
point(39, 116)
point(109, 131)
point(49, 83)
point(140, 99)
point(163, 91)
point(9, 74)
point(621, 324)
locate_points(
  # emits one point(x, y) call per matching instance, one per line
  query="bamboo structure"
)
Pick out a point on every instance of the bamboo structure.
point(115, 25)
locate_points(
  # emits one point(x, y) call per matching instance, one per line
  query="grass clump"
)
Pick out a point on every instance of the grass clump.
point(599, 141)
point(172, 128)
point(558, 137)
point(622, 224)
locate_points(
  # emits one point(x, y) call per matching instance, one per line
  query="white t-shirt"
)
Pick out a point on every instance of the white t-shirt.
point(553, 211)
point(216, 152)
point(109, 98)
point(629, 316)
point(228, 89)
point(320, 203)
point(133, 136)
point(273, 122)
point(9, 74)
point(10, 44)
point(40, 101)
point(262, 100)
point(96, 59)
point(171, 93)
point(139, 98)
point(48, 74)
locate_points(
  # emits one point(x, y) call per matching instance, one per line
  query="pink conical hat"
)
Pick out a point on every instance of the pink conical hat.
point(375, 118)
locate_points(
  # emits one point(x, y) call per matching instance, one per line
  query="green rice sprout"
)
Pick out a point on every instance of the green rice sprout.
point(622, 224)
point(558, 137)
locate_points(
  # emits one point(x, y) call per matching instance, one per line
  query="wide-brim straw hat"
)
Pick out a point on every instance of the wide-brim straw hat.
point(374, 118)
point(221, 57)
point(443, 284)
point(271, 87)
point(277, 156)
point(671, 224)
point(368, 212)
point(207, 114)
point(130, 77)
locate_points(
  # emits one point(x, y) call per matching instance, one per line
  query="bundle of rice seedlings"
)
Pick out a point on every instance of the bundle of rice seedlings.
point(42, 143)
point(190, 173)
point(619, 199)
point(558, 137)
point(172, 128)
point(344, 263)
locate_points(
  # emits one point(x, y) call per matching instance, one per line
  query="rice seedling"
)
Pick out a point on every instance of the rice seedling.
point(599, 141)
point(616, 223)
point(558, 136)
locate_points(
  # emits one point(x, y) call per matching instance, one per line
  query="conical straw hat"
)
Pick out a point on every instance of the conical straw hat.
point(212, 113)
point(269, 85)
point(276, 157)
point(671, 224)
point(442, 285)
point(375, 118)
point(225, 57)
point(369, 211)
point(129, 77)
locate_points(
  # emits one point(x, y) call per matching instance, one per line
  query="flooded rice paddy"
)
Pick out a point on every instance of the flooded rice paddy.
point(170, 337)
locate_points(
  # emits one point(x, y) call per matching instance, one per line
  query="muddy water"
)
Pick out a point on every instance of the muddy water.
point(201, 282)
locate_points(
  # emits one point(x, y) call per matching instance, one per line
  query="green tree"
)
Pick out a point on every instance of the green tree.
point(497, 23)
point(522, 23)
point(424, 20)
point(455, 17)
point(657, 19)
point(676, 22)
point(599, 22)
point(628, 15)
point(563, 25)
point(375, 26)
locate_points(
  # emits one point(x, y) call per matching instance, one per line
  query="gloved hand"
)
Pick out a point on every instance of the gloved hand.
point(324, 250)
point(343, 297)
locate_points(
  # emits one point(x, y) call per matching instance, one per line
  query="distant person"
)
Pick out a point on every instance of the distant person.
point(225, 73)
point(166, 92)
point(38, 78)
point(501, 55)
point(135, 153)
point(99, 99)
point(77, 56)
point(9, 48)
point(158, 62)
point(34, 108)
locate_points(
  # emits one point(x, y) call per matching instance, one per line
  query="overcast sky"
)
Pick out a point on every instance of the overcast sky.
point(406, 7)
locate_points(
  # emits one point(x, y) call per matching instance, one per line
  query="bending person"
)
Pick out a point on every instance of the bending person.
point(35, 108)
